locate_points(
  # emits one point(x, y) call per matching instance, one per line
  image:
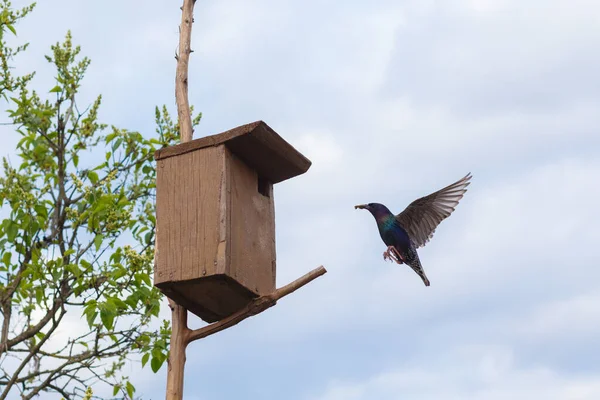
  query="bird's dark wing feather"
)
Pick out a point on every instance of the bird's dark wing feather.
point(422, 216)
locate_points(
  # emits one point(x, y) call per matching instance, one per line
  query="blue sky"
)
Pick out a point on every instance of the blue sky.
point(391, 100)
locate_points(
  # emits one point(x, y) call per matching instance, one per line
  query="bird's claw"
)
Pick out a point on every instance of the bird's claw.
point(393, 255)
point(386, 256)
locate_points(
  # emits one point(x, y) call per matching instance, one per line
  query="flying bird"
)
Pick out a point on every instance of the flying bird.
point(414, 227)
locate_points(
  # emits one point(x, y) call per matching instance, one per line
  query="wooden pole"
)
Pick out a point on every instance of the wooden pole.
point(179, 328)
point(181, 76)
point(176, 362)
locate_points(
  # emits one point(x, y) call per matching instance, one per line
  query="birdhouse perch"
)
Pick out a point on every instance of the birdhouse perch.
point(215, 218)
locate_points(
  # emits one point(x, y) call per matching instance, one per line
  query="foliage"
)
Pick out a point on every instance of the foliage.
point(76, 236)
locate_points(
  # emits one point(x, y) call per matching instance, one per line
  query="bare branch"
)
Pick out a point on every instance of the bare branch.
point(16, 373)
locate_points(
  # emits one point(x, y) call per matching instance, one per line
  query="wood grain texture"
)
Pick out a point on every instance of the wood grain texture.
point(188, 220)
point(176, 360)
point(273, 236)
point(211, 298)
point(252, 245)
point(257, 145)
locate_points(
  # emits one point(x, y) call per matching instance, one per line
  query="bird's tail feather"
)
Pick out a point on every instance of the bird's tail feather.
point(416, 266)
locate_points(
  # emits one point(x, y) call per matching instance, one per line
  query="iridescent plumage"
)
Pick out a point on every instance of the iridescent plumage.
point(414, 227)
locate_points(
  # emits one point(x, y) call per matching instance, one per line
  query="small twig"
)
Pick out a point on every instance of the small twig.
point(257, 306)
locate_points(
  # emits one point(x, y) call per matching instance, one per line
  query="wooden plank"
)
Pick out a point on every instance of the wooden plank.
point(256, 144)
point(273, 236)
point(251, 233)
point(166, 268)
point(212, 298)
point(188, 215)
point(223, 250)
point(161, 239)
point(207, 141)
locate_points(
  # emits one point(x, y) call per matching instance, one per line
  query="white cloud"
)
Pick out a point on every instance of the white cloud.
point(472, 372)
point(487, 57)
point(321, 148)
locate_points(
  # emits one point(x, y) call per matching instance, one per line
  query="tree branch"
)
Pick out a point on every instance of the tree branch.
point(257, 306)
point(6, 312)
point(35, 349)
point(32, 330)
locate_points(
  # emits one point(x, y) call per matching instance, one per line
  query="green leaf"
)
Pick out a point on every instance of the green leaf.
point(6, 258)
point(146, 279)
point(110, 137)
point(90, 312)
point(98, 241)
point(91, 317)
point(155, 364)
point(93, 177)
point(116, 389)
point(111, 305)
point(116, 144)
point(41, 210)
point(11, 231)
point(74, 269)
point(130, 389)
point(69, 252)
point(119, 304)
point(39, 294)
point(85, 264)
point(132, 300)
point(107, 317)
point(12, 29)
point(145, 358)
point(56, 89)
point(148, 237)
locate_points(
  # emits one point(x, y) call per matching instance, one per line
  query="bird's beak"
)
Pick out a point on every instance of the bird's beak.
point(361, 207)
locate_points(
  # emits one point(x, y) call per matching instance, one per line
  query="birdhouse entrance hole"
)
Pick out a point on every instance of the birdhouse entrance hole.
point(215, 218)
point(263, 186)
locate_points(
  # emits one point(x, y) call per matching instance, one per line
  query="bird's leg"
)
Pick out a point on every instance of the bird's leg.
point(386, 253)
point(393, 255)
point(398, 257)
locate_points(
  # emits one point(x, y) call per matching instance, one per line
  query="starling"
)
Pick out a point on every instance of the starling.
point(414, 227)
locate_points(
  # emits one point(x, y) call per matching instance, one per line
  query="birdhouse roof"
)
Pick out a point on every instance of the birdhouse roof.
point(257, 145)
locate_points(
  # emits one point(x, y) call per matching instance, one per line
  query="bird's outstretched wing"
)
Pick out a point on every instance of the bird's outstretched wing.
point(422, 216)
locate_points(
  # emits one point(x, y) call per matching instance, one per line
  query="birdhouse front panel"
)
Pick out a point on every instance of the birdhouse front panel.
point(190, 187)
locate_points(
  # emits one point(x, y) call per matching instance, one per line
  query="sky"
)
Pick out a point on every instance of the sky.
point(391, 100)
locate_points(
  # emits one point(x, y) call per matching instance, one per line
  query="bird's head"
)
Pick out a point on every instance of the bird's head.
point(378, 210)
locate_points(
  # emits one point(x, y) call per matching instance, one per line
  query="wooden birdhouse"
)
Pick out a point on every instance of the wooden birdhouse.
point(215, 240)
